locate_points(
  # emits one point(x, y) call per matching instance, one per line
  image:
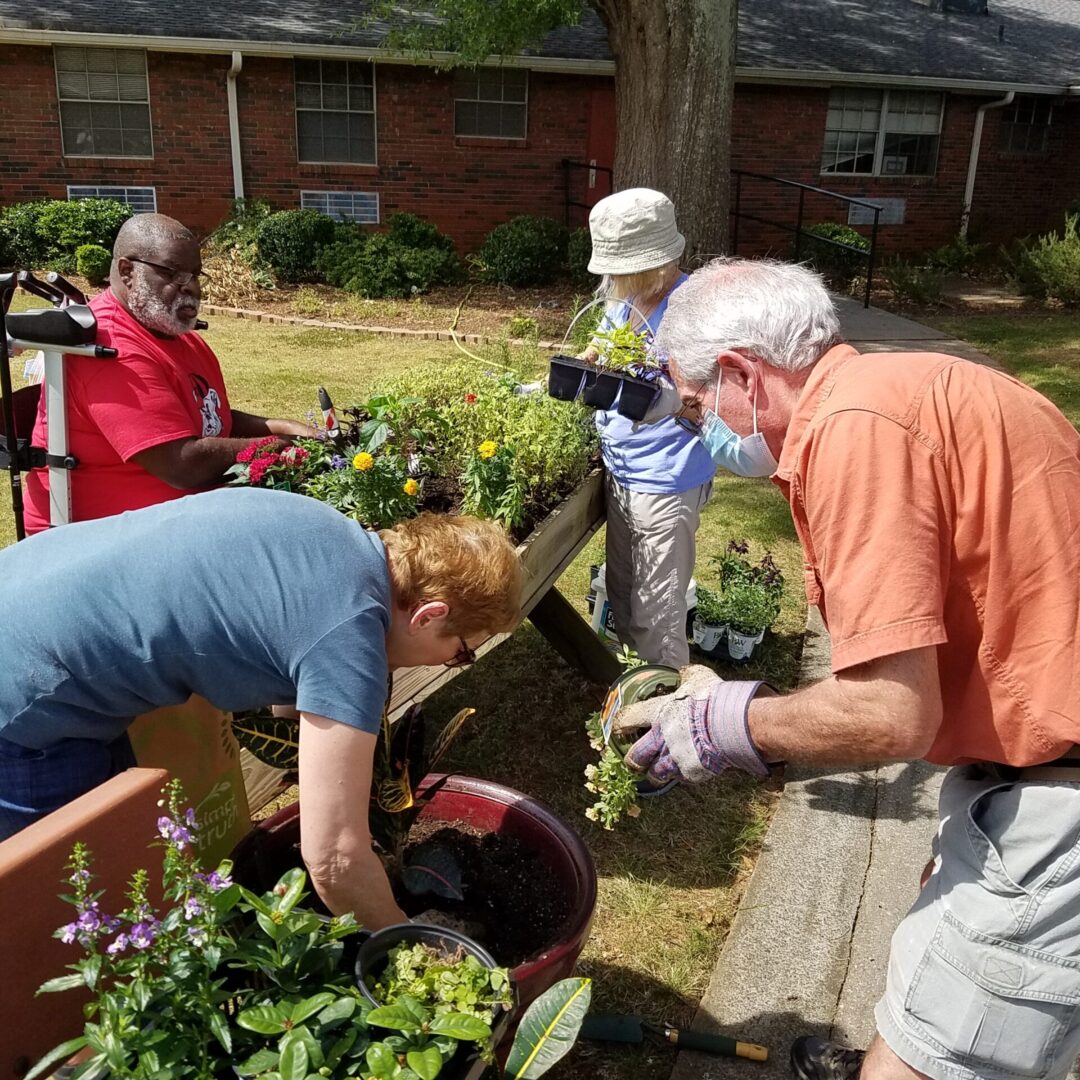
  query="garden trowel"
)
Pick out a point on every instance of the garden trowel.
point(616, 1027)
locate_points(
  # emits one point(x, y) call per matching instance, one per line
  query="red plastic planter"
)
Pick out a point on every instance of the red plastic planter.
point(272, 847)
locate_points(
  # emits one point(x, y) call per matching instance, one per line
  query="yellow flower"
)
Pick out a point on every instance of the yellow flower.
point(411, 487)
point(487, 449)
point(363, 461)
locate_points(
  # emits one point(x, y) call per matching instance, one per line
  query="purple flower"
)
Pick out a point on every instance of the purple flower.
point(118, 945)
point(165, 826)
point(142, 936)
point(68, 933)
point(197, 935)
point(190, 819)
point(192, 907)
point(89, 921)
point(79, 876)
point(216, 882)
point(338, 462)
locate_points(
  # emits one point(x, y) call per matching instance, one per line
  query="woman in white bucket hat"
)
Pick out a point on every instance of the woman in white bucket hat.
point(658, 475)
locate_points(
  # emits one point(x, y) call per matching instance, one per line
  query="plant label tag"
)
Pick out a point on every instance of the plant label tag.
point(610, 710)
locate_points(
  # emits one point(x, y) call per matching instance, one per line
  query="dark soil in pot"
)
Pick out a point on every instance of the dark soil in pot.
point(518, 906)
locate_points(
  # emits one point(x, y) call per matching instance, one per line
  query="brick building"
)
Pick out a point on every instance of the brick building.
point(184, 108)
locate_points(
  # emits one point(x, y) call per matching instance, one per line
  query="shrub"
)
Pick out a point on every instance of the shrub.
point(523, 251)
point(911, 283)
point(1049, 267)
point(290, 241)
point(522, 326)
point(240, 229)
point(959, 256)
point(578, 254)
point(47, 233)
point(381, 266)
point(414, 232)
point(837, 264)
point(93, 262)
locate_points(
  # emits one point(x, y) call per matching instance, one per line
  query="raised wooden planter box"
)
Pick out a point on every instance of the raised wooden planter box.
point(545, 553)
point(116, 821)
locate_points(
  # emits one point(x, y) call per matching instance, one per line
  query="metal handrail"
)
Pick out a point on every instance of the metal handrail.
point(567, 165)
point(736, 212)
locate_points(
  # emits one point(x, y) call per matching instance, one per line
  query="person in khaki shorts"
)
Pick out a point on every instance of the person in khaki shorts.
point(937, 503)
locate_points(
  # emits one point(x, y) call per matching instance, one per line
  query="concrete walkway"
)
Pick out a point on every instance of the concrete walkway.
point(808, 951)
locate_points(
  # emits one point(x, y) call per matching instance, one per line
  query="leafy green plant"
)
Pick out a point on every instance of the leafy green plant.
point(523, 251)
point(622, 348)
point(822, 251)
point(457, 983)
point(405, 422)
point(93, 262)
point(913, 284)
point(583, 330)
point(47, 233)
point(522, 326)
point(738, 574)
point(374, 489)
point(747, 607)
point(267, 463)
point(959, 256)
point(290, 241)
point(578, 254)
point(548, 1029)
point(611, 780)
point(709, 607)
point(1049, 267)
point(491, 485)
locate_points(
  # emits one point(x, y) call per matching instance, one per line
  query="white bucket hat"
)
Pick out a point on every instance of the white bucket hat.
point(633, 231)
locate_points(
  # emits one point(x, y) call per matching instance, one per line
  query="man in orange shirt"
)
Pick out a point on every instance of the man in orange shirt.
point(937, 503)
point(155, 424)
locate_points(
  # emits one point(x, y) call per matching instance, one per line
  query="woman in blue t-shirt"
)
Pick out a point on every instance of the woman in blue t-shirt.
point(658, 475)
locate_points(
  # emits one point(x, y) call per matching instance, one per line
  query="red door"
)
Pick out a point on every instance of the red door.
point(601, 144)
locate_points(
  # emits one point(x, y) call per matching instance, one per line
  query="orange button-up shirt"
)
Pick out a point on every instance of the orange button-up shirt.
point(938, 503)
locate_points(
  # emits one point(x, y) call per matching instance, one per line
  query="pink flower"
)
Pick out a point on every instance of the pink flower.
point(470, 399)
point(253, 450)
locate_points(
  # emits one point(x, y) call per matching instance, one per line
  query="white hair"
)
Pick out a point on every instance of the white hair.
point(777, 312)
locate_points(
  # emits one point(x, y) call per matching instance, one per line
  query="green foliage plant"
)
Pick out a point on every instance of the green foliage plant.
point(838, 264)
point(624, 349)
point(739, 575)
point(709, 606)
point(290, 241)
point(958, 256)
point(578, 254)
point(523, 251)
point(1049, 267)
point(913, 284)
point(491, 485)
point(747, 607)
point(374, 489)
point(611, 780)
point(93, 262)
point(46, 233)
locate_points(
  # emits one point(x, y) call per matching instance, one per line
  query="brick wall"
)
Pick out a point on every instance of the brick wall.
point(191, 168)
point(466, 186)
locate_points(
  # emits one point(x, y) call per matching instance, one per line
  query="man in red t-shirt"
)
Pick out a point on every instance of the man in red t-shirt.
point(155, 423)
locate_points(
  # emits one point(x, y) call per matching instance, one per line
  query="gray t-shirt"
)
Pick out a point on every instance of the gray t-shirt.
point(246, 597)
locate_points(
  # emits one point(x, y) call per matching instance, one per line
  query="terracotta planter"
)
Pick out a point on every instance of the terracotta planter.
point(272, 847)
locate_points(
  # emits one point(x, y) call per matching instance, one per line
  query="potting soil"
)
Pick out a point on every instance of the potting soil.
point(509, 890)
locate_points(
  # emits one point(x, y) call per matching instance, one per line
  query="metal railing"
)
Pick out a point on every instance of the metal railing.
point(738, 214)
point(592, 169)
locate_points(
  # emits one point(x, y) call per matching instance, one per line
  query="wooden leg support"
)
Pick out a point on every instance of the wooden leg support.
point(573, 639)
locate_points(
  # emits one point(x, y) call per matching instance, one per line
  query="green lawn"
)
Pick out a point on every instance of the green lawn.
point(669, 880)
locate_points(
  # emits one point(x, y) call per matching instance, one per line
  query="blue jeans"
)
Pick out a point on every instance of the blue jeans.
point(33, 783)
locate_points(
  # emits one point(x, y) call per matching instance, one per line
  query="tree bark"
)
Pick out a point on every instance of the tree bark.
point(674, 86)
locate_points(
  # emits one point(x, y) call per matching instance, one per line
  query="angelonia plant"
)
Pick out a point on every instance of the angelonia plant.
point(218, 982)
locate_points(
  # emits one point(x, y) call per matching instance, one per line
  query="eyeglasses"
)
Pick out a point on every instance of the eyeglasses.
point(684, 421)
point(176, 277)
point(463, 657)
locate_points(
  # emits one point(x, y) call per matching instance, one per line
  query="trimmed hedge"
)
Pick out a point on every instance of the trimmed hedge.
point(93, 262)
point(523, 251)
point(290, 242)
point(48, 232)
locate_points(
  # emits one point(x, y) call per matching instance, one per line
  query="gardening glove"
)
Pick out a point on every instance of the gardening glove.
point(667, 403)
point(697, 732)
point(434, 917)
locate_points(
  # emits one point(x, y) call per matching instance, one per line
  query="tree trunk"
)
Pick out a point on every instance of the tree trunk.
point(674, 85)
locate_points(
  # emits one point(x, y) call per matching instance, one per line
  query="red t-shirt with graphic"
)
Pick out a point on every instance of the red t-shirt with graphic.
point(156, 391)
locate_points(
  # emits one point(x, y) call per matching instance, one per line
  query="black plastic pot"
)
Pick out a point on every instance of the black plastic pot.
point(569, 377)
point(602, 393)
point(466, 1064)
point(636, 397)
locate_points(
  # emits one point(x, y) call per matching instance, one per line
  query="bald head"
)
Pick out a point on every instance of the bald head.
point(155, 268)
point(144, 236)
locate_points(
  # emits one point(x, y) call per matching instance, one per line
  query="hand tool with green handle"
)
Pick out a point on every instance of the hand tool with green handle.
point(613, 1027)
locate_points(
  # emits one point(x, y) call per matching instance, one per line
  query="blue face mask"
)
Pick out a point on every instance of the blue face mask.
point(743, 455)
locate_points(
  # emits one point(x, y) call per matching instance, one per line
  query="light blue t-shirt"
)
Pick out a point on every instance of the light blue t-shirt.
point(657, 459)
point(246, 597)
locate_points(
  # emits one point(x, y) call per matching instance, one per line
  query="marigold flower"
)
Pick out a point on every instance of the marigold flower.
point(411, 487)
point(470, 399)
point(487, 449)
point(363, 461)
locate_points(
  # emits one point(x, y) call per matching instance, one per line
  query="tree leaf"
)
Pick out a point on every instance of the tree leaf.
point(57, 1053)
point(294, 1060)
point(460, 1026)
point(274, 740)
point(219, 1025)
point(61, 982)
point(294, 881)
point(549, 1028)
point(309, 1006)
point(341, 1009)
point(259, 1062)
point(381, 1060)
point(426, 1062)
point(395, 1018)
point(265, 1019)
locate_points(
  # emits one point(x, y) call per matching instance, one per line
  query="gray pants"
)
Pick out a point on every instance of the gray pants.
point(650, 559)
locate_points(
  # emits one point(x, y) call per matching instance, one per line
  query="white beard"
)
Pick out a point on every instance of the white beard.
point(155, 314)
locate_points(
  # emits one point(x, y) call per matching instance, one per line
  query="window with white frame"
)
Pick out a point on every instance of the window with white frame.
point(359, 206)
point(143, 200)
point(335, 111)
point(491, 103)
point(104, 102)
point(882, 132)
point(1025, 126)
